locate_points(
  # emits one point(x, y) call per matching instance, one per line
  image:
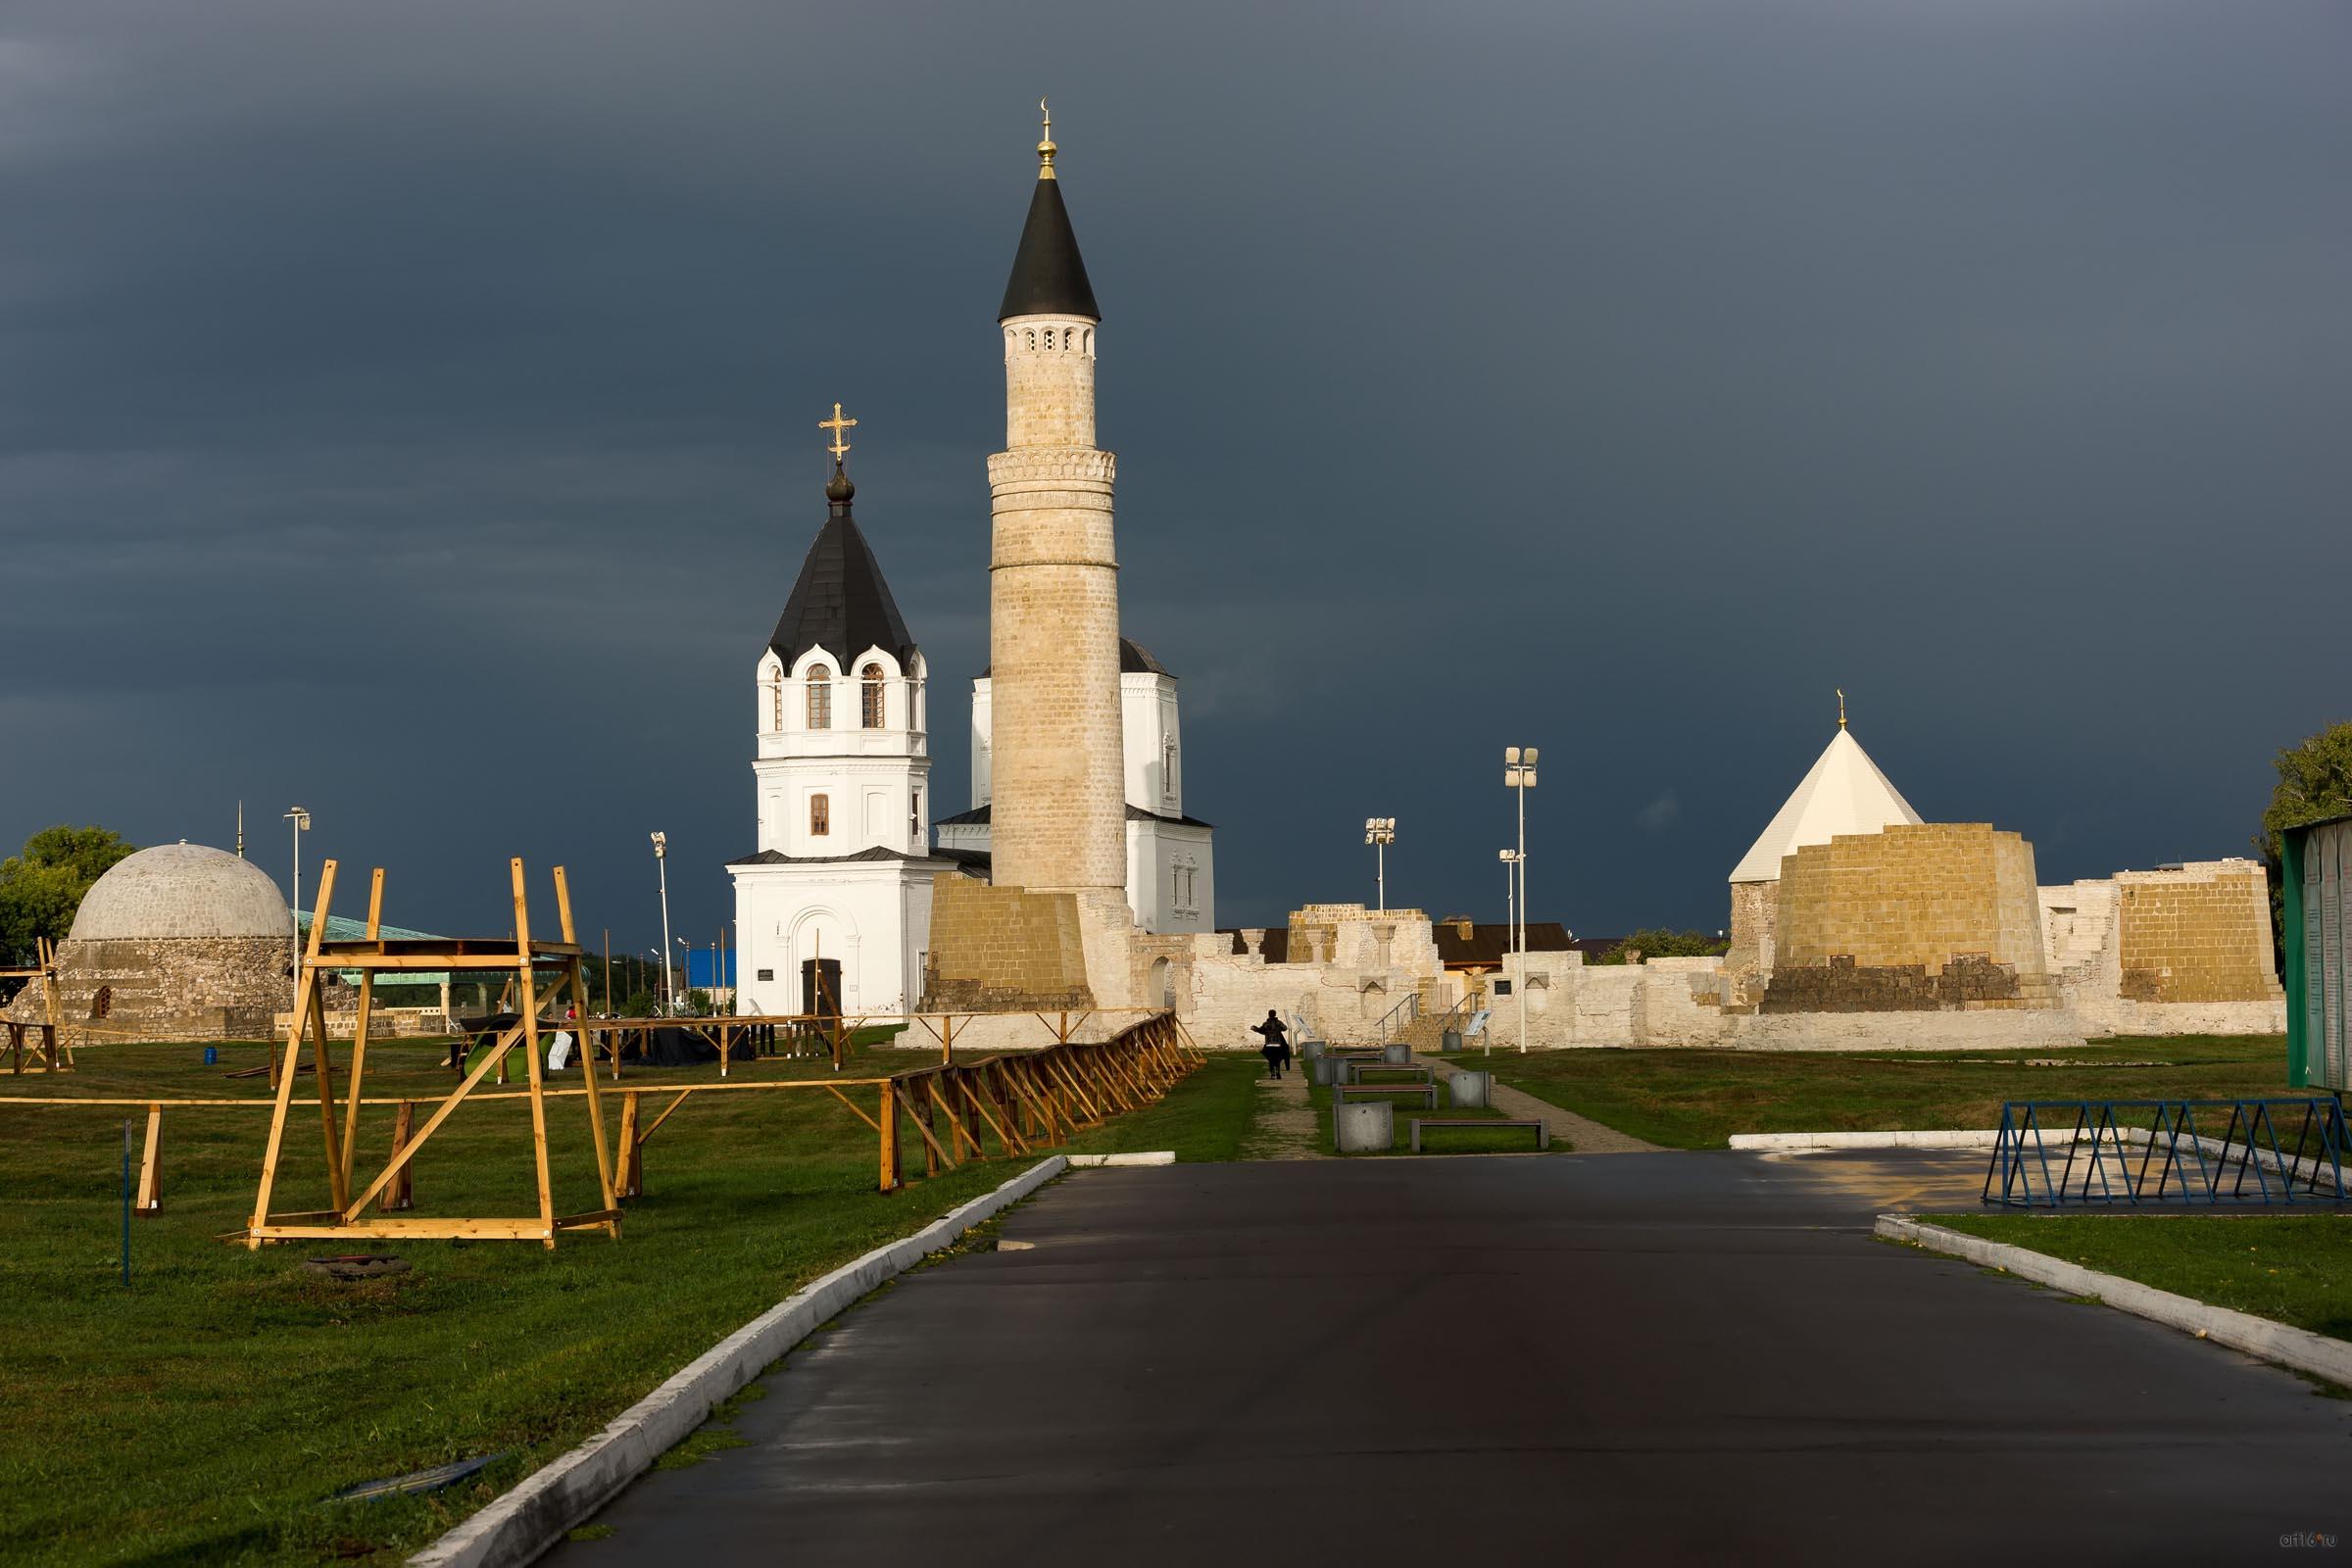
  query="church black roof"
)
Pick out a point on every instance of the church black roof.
point(841, 602)
point(1048, 275)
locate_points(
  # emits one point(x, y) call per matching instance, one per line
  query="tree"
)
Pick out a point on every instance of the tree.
point(41, 888)
point(1664, 943)
point(2315, 781)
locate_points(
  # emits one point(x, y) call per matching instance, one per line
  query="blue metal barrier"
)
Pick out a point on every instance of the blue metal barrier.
point(2052, 1152)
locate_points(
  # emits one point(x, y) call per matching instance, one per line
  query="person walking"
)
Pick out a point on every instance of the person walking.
point(1277, 1048)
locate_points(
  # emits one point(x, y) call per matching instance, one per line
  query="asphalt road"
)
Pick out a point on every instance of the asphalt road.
point(1675, 1357)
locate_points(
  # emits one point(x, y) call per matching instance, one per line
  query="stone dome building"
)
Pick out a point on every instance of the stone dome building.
point(178, 942)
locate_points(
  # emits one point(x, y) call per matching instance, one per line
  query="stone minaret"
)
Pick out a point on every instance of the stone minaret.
point(1058, 810)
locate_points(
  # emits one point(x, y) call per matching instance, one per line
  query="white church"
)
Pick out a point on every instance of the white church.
point(833, 913)
point(1171, 876)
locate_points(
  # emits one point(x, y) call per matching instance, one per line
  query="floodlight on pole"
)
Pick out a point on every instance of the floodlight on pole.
point(1379, 832)
point(301, 819)
point(669, 990)
point(1519, 775)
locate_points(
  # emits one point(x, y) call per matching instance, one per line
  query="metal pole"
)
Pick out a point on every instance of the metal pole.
point(297, 901)
point(1522, 986)
point(669, 989)
point(1379, 858)
point(127, 1200)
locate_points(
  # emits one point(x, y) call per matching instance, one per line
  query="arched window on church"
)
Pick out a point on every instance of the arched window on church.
point(820, 697)
point(778, 695)
point(873, 695)
point(820, 816)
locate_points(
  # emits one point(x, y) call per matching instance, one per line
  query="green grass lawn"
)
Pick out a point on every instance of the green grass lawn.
point(1697, 1099)
point(1442, 1141)
point(206, 1412)
point(2291, 1269)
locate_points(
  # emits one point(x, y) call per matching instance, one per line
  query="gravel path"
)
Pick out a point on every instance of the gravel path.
point(1285, 1119)
point(1579, 1133)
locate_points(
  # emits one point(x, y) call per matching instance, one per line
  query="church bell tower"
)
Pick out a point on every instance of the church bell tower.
point(1053, 588)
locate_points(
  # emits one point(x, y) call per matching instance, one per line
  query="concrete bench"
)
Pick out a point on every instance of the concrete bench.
point(1413, 1127)
point(1406, 1075)
point(1427, 1092)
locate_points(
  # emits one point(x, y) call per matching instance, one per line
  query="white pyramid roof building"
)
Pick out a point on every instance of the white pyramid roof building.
point(1845, 793)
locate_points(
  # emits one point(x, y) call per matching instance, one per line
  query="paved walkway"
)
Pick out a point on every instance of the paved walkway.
point(1286, 1118)
point(1580, 1132)
point(1678, 1357)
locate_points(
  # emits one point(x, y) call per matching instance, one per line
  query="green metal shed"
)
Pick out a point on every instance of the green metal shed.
point(2317, 863)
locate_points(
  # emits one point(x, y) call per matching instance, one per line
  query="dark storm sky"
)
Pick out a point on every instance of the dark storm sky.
point(409, 410)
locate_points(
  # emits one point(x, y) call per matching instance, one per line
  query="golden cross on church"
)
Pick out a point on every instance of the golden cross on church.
point(837, 424)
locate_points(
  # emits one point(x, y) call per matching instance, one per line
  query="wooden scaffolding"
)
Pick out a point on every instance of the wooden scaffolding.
point(52, 1047)
point(542, 972)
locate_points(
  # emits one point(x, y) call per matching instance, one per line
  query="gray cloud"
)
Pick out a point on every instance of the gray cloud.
point(410, 410)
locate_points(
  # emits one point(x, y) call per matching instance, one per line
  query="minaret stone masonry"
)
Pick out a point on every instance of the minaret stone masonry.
point(1058, 747)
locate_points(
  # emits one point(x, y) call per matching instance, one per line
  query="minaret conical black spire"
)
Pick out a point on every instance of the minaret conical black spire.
point(1048, 275)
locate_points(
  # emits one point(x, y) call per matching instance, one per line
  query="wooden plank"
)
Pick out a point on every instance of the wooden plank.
point(305, 991)
point(1012, 1145)
point(359, 1037)
point(527, 978)
point(887, 1124)
point(625, 1180)
point(957, 1135)
point(151, 1166)
point(406, 1230)
point(605, 1217)
point(580, 1023)
point(402, 1194)
point(323, 1075)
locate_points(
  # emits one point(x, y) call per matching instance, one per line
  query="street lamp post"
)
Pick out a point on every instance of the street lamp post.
point(1519, 773)
point(1379, 832)
point(301, 819)
point(669, 991)
point(1510, 924)
point(687, 965)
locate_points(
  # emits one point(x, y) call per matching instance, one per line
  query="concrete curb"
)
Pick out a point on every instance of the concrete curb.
point(1799, 1142)
point(1149, 1157)
point(531, 1519)
point(2299, 1348)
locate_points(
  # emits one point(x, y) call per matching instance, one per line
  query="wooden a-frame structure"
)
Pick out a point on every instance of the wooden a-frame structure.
point(339, 1117)
point(52, 1047)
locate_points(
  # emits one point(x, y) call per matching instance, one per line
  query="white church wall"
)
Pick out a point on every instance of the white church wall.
point(870, 919)
point(1151, 744)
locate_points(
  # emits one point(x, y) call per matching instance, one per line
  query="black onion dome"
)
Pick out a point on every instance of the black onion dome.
point(841, 601)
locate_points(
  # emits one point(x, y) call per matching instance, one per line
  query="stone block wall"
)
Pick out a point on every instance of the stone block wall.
point(170, 988)
point(2198, 934)
point(1002, 949)
point(2184, 951)
point(1749, 960)
point(1915, 896)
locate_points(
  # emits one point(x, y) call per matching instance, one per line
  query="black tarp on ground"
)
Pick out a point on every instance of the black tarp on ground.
point(672, 1046)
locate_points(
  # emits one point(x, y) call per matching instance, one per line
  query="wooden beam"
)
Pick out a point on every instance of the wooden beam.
point(402, 1194)
point(528, 980)
point(359, 1037)
point(151, 1166)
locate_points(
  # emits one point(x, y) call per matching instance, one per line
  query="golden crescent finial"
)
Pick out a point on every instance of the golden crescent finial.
point(1842, 710)
point(1046, 148)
